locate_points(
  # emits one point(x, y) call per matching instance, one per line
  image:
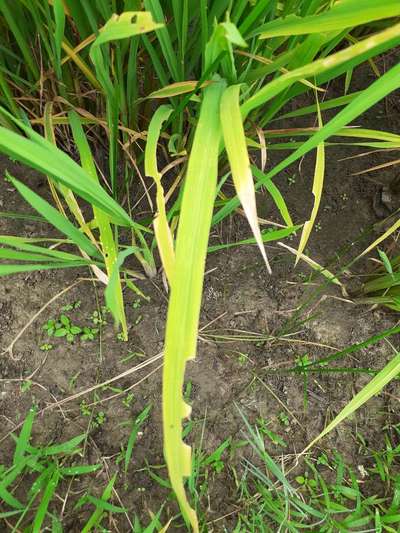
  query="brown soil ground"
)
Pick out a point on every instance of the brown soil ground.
point(240, 299)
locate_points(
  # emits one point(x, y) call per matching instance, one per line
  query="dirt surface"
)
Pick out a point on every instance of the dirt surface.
point(253, 327)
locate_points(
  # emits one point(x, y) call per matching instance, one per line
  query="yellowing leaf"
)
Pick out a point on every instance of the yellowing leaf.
point(235, 144)
point(126, 25)
point(161, 227)
point(384, 236)
point(187, 287)
point(317, 192)
point(313, 264)
point(175, 89)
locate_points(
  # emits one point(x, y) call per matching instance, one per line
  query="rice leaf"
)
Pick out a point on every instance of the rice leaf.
point(112, 293)
point(344, 14)
point(318, 184)
point(59, 16)
point(161, 228)
point(108, 245)
point(23, 243)
point(41, 155)
point(186, 288)
point(387, 83)
point(390, 371)
point(55, 218)
point(7, 270)
point(176, 89)
point(236, 148)
point(267, 236)
point(313, 264)
point(126, 25)
point(384, 236)
point(319, 66)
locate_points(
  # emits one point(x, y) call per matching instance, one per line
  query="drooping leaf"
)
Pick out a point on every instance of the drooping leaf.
point(161, 227)
point(236, 148)
point(55, 218)
point(318, 184)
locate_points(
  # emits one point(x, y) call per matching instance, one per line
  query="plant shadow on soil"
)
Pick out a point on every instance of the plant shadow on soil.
point(239, 297)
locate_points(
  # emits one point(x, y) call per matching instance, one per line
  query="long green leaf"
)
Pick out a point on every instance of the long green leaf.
point(55, 218)
point(390, 371)
point(24, 436)
point(45, 501)
point(97, 515)
point(43, 156)
point(344, 14)
point(108, 245)
point(186, 288)
point(319, 66)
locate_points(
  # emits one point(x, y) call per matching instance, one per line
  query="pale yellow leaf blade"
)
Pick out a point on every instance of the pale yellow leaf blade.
point(162, 230)
point(236, 148)
point(318, 184)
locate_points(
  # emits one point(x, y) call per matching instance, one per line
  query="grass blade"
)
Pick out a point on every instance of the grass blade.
point(97, 515)
point(390, 371)
point(45, 500)
point(24, 436)
point(139, 421)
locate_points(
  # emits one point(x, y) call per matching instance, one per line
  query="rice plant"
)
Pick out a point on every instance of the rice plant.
point(97, 73)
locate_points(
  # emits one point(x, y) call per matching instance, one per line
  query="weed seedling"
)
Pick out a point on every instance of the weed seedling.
point(89, 334)
point(243, 358)
point(84, 408)
point(26, 385)
point(135, 432)
point(132, 355)
point(127, 401)
point(98, 317)
point(284, 419)
point(44, 467)
point(62, 327)
point(72, 381)
point(46, 347)
point(72, 306)
point(306, 481)
point(99, 419)
point(274, 438)
point(136, 303)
